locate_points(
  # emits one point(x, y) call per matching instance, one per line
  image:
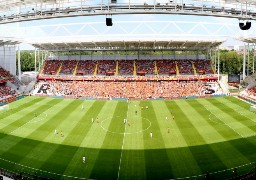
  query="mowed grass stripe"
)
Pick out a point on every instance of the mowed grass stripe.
point(78, 134)
point(170, 132)
point(237, 101)
point(18, 152)
point(210, 135)
point(94, 138)
point(108, 160)
point(21, 120)
point(68, 122)
point(213, 121)
point(179, 156)
point(240, 107)
point(42, 118)
point(99, 128)
point(205, 157)
point(49, 150)
point(21, 102)
point(188, 131)
point(157, 165)
point(242, 125)
point(134, 130)
point(57, 160)
point(22, 148)
point(227, 151)
point(55, 120)
point(133, 162)
point(52, 149)
point(7, 115)
point(83, 124)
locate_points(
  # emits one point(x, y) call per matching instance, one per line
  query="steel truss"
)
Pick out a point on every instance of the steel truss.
point(28, 10)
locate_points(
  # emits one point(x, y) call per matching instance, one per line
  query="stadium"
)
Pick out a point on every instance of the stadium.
point(126, 99)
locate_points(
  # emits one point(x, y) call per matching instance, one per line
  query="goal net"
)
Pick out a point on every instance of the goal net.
point(253, 108)
point(4, 107)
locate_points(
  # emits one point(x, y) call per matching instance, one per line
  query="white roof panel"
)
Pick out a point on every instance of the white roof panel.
point(127, 44)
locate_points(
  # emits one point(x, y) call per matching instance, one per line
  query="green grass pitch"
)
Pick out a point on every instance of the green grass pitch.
point(211, 135)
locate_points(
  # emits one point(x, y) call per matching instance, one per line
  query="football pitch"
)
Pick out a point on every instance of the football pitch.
point(44, 136)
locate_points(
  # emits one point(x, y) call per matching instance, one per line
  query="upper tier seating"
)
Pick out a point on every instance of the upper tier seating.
point(166, 67)
point(145, 67)
point(86, 67)
point(51, 67)
point(125, 67)
point(185, 67)
point(68, 67)
point(203, 67)
point(106, 67)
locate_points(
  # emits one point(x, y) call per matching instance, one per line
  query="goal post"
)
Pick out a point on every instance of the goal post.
point(253, 108)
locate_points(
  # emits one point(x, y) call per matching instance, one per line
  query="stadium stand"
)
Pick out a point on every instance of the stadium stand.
point(126, 89)
point(125, 67)
point(68, 67)
point(166, 67)
point(5, 91)
point(185, 67)
point(134, 79)
point(5, 75)
point(203, 67)
point(85, 68)
point(144, 67)
point(106, 67)
point(7, 94)
point(51, 67)
point(252, 91)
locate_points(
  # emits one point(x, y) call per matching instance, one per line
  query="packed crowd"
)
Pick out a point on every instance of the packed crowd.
point(166, 67)
point(134, 89)
point(68, 67)
point(85, 67)
point(185, 67)
point(106, 67)
point(203, 67)
point(6, 91)
point(127, 67)
point(51, 67)
point(145, 67)
point(5, 75)
point(252, 91)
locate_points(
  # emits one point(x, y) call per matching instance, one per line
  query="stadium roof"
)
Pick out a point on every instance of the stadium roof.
point(9, 41)
point(248, 39)
point(27, 10)
point(124, 44)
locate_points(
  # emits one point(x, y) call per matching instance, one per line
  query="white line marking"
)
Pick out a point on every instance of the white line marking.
point(125, 124)
point(41, 170)
point(223, 123)
point(230, 169)
point(102, 126)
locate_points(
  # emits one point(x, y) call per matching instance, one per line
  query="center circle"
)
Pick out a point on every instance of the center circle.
point(131, 126)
